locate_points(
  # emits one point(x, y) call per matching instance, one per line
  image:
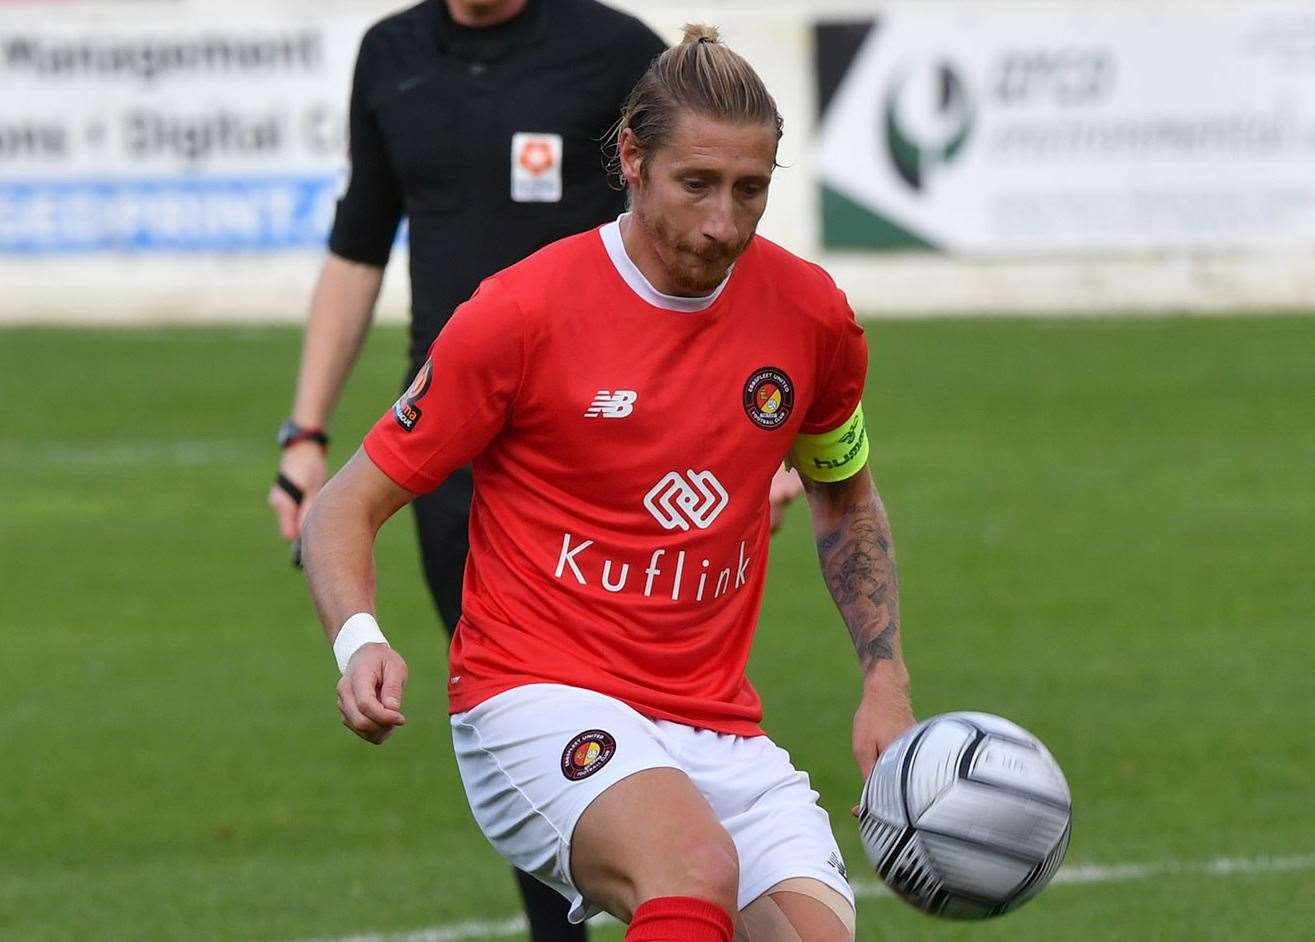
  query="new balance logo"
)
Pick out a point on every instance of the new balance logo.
point(612, 405)
point(678, 500)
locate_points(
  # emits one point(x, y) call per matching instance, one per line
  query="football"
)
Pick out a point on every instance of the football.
point(966, 815)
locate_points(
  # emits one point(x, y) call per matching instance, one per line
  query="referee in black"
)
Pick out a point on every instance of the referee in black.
point(480, 121)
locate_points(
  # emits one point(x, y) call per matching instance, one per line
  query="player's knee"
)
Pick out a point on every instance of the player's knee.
point(716, 868)
point(705, 869)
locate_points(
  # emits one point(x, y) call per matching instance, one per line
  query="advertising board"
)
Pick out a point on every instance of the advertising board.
point(1026, 128)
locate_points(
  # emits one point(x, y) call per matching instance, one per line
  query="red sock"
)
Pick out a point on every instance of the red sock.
point(680, 919)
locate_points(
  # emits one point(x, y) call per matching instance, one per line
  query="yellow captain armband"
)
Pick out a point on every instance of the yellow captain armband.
point(835, 455)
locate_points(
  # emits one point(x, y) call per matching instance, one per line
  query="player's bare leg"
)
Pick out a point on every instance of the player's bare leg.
point(653, 836)
point(797, 910)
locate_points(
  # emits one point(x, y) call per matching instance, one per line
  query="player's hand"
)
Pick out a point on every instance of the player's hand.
point(370, 693)
point(883, 715)
point(786, 486)
point(303, 464)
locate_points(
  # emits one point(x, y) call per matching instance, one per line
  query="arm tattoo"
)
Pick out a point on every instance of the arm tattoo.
point(859, 565)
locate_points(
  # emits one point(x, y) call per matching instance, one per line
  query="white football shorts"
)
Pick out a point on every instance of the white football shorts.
point(532, 759)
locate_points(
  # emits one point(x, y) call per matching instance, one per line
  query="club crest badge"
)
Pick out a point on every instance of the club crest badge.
point(405, 410)
point(768, 397)
point(587, 753)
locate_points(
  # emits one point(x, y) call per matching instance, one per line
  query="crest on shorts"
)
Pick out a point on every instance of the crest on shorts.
point(587, 753)
point(405, 410)
point(768, 397)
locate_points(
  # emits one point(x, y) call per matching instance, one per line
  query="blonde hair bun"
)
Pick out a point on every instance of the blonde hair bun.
point(701, 76)
point(700, 33)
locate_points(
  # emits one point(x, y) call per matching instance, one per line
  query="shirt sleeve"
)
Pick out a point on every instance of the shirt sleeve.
point(460, 399)
point(840, 382)
point(370, 209)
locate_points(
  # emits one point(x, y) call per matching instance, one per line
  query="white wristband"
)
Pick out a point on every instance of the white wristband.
point(360, 629)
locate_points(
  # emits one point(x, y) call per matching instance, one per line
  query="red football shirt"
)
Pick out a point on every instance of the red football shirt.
point(623, 444)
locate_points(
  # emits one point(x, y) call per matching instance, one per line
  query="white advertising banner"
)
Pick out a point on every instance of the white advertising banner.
point(190, 135)
point(1009, 128)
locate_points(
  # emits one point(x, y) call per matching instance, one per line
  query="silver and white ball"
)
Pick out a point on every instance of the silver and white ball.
point(966, 815)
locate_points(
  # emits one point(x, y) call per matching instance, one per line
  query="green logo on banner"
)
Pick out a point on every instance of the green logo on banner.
point(927, 122)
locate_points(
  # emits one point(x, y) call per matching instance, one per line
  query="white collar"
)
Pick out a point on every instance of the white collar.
point(630, 273)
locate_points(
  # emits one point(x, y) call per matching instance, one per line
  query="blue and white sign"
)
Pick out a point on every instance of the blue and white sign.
point(202, 214)
point(192, 136)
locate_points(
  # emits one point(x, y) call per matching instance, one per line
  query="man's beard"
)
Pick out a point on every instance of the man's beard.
point(675, 252)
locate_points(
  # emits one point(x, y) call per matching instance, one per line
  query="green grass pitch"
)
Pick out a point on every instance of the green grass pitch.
point(1105, 528)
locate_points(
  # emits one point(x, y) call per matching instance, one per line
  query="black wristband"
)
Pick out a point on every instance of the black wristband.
point(285, 484)
point(290, 433)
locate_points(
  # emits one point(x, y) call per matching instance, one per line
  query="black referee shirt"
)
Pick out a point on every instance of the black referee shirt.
point(435, 111)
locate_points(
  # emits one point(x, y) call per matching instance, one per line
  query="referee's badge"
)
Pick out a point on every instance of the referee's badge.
point(536, 167)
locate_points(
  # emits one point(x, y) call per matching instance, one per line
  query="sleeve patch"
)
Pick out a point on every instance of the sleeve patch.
point(405, 410)
point(835, 455)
